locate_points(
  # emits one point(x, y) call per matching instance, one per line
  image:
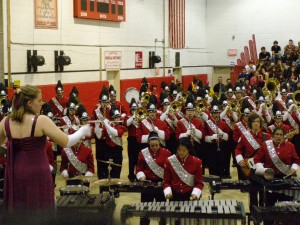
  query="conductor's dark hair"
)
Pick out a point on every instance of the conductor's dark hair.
point(251, 118)
point(186, 142)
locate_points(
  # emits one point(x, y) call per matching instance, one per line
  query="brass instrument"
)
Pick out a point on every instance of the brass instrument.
point(296, 98)
point(146, 97)
point(200, 106)
point(175, 106)
point(234, 105)
point(272, 85)
point(268, 104)
point(140, 114)
point(184, 95)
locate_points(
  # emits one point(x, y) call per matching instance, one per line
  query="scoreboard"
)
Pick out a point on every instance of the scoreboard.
point(111, 10)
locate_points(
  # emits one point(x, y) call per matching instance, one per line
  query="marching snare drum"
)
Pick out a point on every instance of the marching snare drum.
point(132, 93)
point(74, 190)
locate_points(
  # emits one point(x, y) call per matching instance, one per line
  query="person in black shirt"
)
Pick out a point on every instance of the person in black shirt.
point(276, 51)
point(219, 87)
point(264, 56)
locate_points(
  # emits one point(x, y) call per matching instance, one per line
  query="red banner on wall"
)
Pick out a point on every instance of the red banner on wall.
point(138, 59)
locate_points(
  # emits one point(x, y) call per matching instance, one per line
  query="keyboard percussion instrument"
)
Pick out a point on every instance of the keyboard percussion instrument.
point(219, 212)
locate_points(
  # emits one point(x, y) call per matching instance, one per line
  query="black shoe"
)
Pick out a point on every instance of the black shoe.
point(234, 165)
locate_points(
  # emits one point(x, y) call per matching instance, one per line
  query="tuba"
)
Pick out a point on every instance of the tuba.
point(174, 107)
point(140, 114)
point(296, 97)
point(272, 85)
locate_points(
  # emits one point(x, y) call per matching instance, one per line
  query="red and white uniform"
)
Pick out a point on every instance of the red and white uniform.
point(58, 105)
point(132, 127)
point(223, 128)
point(286, 128)
point(142, 131)
point(244, 149)
point(172, 181)
point(69, 121)
point(84, 155)
point(143, 168)
point(181, 129)
point(281, 103)
point(286, 153)
point(119, 105)
point(237, 133)
point(108, 141)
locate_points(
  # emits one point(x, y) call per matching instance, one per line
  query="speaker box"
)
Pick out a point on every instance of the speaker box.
point(177, 59)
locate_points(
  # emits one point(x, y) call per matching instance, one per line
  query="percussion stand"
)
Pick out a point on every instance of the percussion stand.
point(109, 168)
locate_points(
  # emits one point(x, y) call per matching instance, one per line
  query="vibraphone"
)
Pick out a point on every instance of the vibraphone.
point(287, 213)
point(219, 212)
point(139, 187)
point(88, 209)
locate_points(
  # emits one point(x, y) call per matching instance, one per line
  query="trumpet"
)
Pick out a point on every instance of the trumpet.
point(200, 106)
point(146, 97)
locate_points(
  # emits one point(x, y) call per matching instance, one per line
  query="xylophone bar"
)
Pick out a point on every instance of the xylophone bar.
point(208, 210)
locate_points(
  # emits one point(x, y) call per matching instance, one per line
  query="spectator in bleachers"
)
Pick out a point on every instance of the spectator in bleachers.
point(287, 59)
point(264, 56)
point(279, 66)
point(243, 75)
point(250, 68)
point(290, 47)
point(273, 72)
point(276, 51)
point(219, 87)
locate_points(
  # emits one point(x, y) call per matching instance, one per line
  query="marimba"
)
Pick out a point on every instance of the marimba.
point(138, 187)
point(219, 212)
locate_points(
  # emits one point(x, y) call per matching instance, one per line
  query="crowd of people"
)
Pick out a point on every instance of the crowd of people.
point(172, 137)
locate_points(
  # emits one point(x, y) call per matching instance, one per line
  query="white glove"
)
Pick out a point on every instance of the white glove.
point(168, 109)
point(84, 131)
point(65, 174)
point(88, 174)
point(291, 108)
point(214, 137)
point(133, 117)
point(155, 129)
point(123, 115)
point(189, 132)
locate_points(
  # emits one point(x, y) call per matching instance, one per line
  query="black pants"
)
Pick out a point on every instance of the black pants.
point(101, 167)
point(228, 151)
point(133, 153)
point(172, 143)
point(216, 162)
point(150, 197)
point(296, 141)
point(114, 153)
point(255, 197)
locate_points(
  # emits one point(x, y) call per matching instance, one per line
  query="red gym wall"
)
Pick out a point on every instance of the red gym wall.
point(89, 91)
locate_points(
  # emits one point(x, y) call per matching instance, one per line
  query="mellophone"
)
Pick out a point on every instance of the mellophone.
point(139, 187)
point(287, 212)
point(189, 212)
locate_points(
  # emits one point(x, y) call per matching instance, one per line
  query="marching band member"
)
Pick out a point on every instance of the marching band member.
point(59, 102)
point(113, 132)
point(239, 93)
point(75, 94)
point(278, 121)
point(171, 121)
point(291, 117)
point(70, 120)
point(132, 145)
point(262, 110)
point(113, 100)
point(77, 160)
point(84, 118)
point(191, 127)
point(252, 98)
point(229, 116)
point(216, 136)
point(152, 123)
point(248, 145)
point(101, 112)
point(183, 174)
point(150, 167)
point(280, 156)
point(242, 126)
point(281, 99)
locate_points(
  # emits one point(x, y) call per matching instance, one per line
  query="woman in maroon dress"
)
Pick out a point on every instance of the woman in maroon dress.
point(28, 183)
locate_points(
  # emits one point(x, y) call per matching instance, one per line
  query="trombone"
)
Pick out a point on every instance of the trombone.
point(175, 106)
point(296, 98)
